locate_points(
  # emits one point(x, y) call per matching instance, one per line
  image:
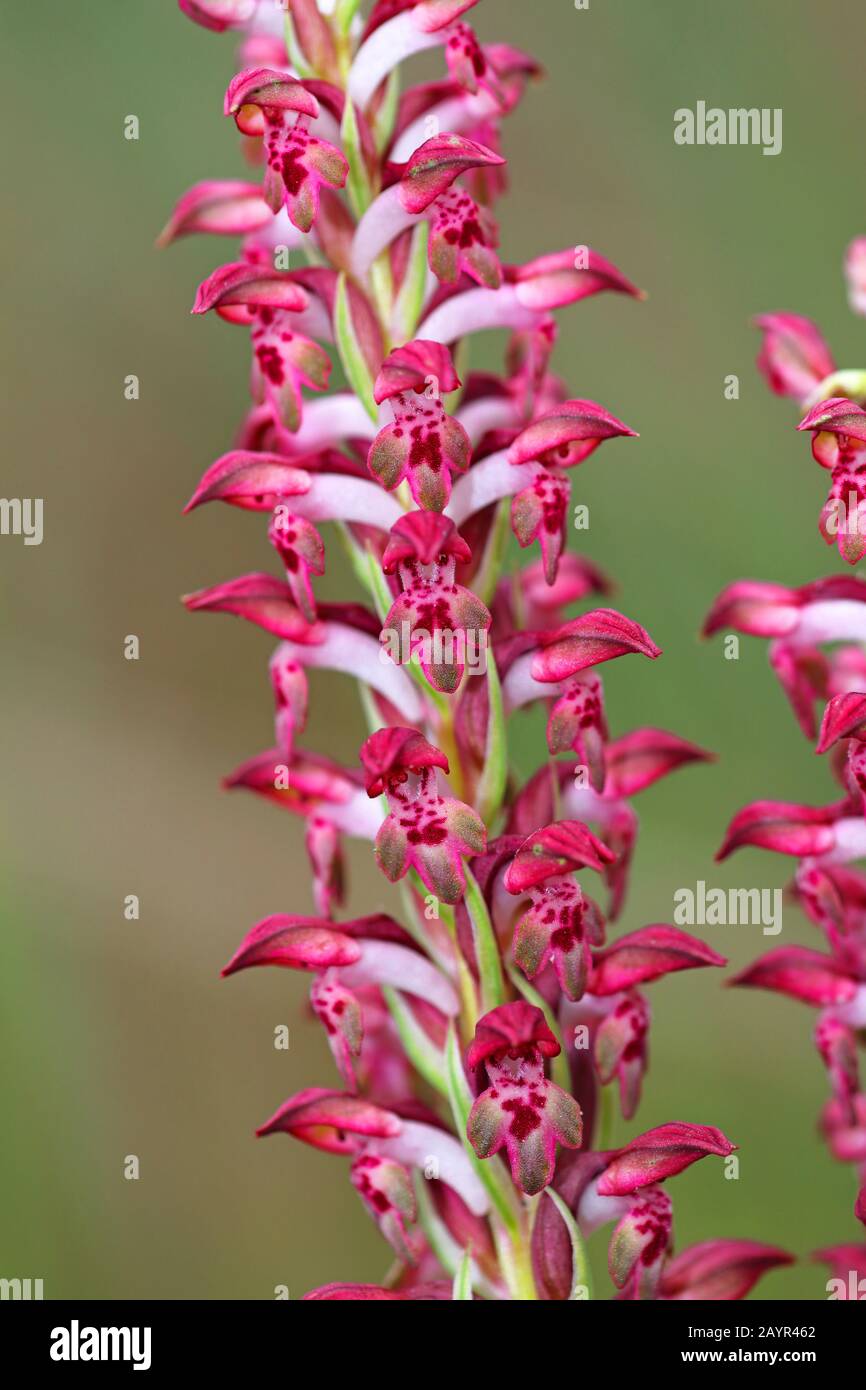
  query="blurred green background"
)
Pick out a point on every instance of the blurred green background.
point(118, 1038)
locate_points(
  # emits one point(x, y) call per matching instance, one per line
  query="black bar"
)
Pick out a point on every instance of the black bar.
point(254, 1338)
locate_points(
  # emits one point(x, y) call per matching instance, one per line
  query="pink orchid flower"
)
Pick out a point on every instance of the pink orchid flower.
point(268, 103)
point(520, 1110)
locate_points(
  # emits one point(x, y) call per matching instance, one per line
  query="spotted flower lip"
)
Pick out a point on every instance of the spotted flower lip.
point(302, 552)
point(640, 1245)
point(385, 1188)
point(794, 357)
point(284, 360)
point(559, 928)
point(423, 445)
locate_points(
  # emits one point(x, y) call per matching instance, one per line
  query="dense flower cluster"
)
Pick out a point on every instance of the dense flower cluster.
point(474, 1031)
point(816, 635)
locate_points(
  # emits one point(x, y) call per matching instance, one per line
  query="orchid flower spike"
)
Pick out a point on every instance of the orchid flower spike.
point(471, 1129)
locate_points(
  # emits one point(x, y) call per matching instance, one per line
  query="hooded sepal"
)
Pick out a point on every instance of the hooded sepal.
point(660, 1153)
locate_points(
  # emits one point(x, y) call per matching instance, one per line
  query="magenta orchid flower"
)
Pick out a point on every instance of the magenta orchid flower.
point(424, 830)
point(422, 444)
point(266, 103)
point(424, 550)
point(476, 1015)
point(839, 444)
point(520, 1110)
